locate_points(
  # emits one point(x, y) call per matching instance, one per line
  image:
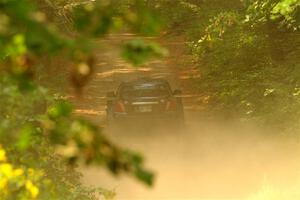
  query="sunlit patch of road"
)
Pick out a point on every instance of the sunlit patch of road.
point(89, 112)
point(121, 71)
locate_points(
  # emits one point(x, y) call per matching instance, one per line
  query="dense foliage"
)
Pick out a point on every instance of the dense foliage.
point(40, 138)
point(248, 55)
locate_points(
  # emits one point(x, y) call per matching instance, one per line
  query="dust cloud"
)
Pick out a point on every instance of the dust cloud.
point(206, 160)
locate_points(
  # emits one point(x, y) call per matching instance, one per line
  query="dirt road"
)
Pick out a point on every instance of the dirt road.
point(208, 160)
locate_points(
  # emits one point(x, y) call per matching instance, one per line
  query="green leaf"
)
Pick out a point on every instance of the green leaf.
point(60, 109)
point(138, 51)
point(25, 137)
point(145, 176)
point(17, 46)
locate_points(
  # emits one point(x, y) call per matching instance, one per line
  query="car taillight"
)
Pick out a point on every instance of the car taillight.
point(119, 107)
point(171, 105)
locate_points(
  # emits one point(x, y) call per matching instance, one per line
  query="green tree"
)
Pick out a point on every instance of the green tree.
point(34, 124)
point(248, 54)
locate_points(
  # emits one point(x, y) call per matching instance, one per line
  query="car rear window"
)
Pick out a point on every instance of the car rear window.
point(145, 90)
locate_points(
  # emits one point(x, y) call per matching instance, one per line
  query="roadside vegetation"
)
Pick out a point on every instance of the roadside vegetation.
point(41, 140)
point(248, 56)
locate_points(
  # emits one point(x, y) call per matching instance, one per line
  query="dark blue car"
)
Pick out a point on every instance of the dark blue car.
point(145, 100)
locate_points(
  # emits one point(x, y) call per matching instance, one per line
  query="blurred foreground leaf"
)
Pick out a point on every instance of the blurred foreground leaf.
point(138, 51)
